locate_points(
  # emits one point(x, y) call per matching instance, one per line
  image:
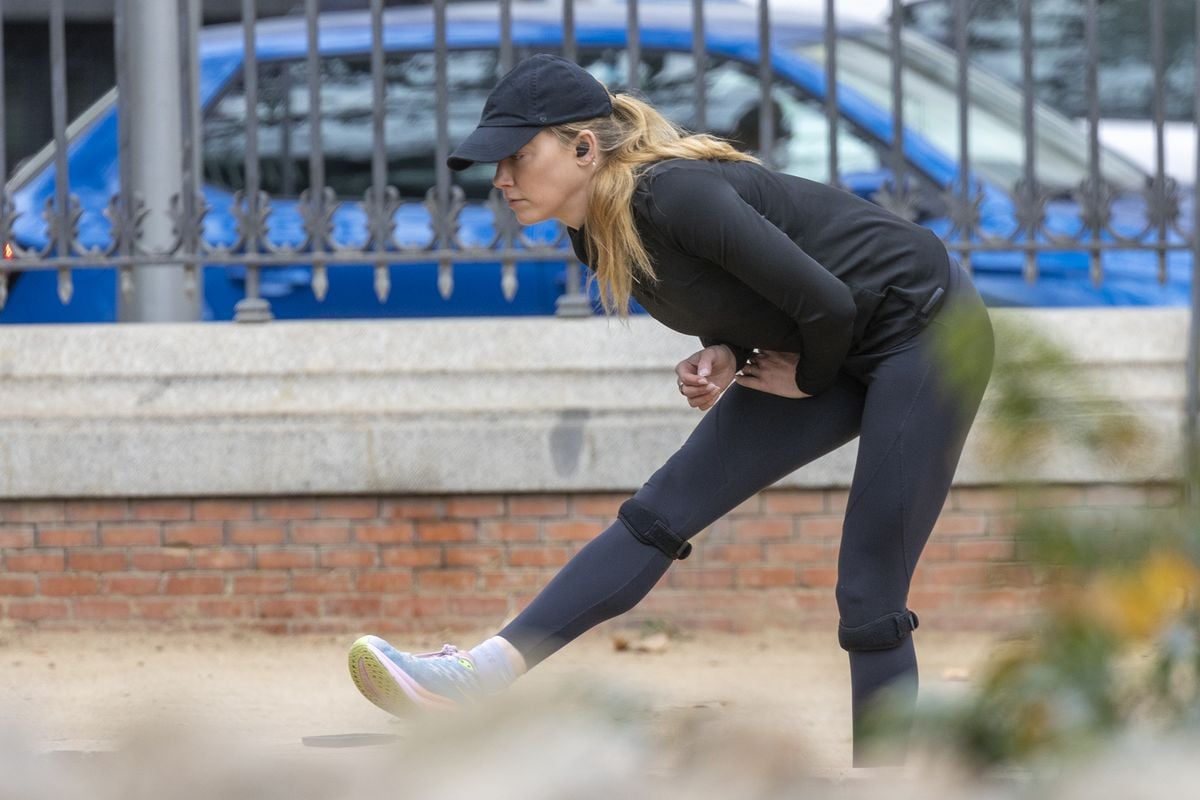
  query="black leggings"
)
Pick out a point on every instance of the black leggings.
point(911, 418)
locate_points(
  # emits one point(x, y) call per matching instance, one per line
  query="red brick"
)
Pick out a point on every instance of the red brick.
point(347, 557)
point(320, 533)
point(289, 608)
point(519, 580)
point(205, 534)
point(118, 535)
point(18, 561)
point(571, 531)
point(794, 502)
point(474, 507)
point(260, 583)
point(222, 510)
point(131, 584)
point(818, 576)
point(937, 550)
point(195, 584)
point(33, 511)
point(356, 606)
point(750, 507)
point(17, 587)
point(222, 559)
point(1004, 524)
point(1009, 575)
point(984, 550)
point(537, 556)
point(161, 559)
point(161, 608)
point(389, 582)
point(351, 508)
point(383, 533)
point(16, 536)
point(160, 510)
point(447, 579)
point(1052, 497)
point(975, 499)
point(508, 531)
point(730, 553)
point(960, 524)
point(799, 552)
point(102, 608)
point(226, 607)
point(762, 528)
point(411, 508)
point(294, 558)
point(821, 527)
point(97, 560)
point(935, 574)
point(256, 533)
point(1116, 496)
point(468, 556)
point(836, 500)
point(446, 531)
point(429, 606)
point(323, 582)
point(597, 505)
point(537, 506)
point(96, 510)
point(411, 556)
point(66, 536)
point(478, 606)
point(68, 585)
point(286, 509)
point(1158, 496)
point(38, 610)
point(759, 577)
point(702, 578)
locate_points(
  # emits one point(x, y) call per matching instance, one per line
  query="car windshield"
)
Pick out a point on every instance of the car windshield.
point(996, 141)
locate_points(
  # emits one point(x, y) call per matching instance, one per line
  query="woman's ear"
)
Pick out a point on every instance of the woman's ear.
point(586, 148)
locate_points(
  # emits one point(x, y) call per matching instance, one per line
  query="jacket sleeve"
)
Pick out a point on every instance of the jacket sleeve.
point(702, 214)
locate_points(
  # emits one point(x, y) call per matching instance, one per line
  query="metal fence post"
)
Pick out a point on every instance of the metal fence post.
point(156, 159)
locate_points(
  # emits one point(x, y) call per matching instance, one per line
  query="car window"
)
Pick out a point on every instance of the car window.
point(996, 140)
point(666, 79)
point(1060, 51)
point(346, 123)
point(732, 110)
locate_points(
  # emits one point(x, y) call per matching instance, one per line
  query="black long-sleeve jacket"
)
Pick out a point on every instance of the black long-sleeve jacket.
point(752, 258)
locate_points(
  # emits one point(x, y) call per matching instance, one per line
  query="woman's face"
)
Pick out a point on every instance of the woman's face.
point(545, 179)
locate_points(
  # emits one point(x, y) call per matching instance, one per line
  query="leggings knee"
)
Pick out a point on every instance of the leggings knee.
point(884, 633)
point(650, 528)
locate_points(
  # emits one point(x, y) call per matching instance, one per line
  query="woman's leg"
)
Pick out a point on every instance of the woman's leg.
point(914, 425)
point(745, 443)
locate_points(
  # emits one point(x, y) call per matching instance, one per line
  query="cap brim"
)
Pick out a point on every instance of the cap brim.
point(488, 144)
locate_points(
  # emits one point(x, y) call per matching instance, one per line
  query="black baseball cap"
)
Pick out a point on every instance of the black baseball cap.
point(541, 91)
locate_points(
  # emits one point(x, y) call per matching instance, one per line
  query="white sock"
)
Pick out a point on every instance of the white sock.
point(497, 663)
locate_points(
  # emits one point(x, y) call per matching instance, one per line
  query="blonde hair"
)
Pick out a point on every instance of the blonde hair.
point(633, 138)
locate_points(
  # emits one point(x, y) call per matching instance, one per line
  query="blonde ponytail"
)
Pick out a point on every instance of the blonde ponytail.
point(633, 138)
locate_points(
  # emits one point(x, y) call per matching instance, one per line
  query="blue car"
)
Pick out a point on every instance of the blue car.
point(666, 78)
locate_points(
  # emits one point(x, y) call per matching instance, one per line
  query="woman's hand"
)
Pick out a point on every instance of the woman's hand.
point(772, 372)
point(702, 376)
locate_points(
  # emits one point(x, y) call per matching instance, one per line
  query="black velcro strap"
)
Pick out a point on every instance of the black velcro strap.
point(881, 634)
point(649, 528)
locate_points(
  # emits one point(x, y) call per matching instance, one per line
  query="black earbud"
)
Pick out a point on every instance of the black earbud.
point(581, 150)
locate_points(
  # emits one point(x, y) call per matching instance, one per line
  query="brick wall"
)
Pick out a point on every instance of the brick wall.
point(430, 563)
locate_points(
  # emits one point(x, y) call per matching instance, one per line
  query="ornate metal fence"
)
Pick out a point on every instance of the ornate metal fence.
point(250, 236)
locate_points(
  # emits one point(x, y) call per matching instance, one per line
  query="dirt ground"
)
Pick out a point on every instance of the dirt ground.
point(89, 692)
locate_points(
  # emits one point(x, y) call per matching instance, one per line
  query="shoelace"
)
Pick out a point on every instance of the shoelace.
point(445, 663)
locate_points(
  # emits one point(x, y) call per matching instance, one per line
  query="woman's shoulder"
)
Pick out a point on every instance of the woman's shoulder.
point(664, 185)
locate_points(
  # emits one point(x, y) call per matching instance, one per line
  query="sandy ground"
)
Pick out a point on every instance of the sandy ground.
point(93, 691)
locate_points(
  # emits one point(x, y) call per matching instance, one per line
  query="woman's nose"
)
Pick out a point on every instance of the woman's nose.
point(502, 177)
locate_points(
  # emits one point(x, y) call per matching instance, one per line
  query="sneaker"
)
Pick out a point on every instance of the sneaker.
point(396, 681)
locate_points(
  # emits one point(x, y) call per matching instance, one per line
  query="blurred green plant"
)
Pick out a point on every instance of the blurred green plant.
point(1116, 643)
